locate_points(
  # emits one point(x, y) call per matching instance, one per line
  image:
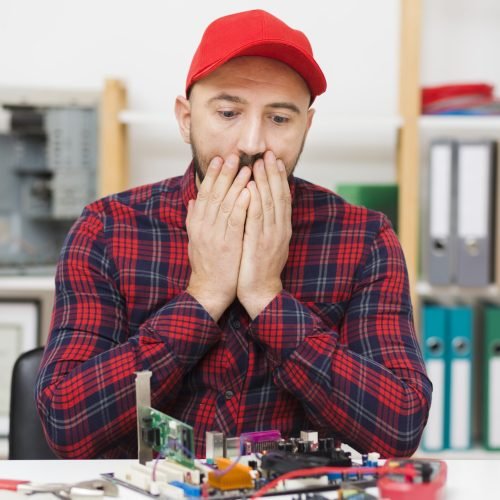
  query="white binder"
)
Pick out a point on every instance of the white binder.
point(460, 349)
point(440, 245)
point(475, 208)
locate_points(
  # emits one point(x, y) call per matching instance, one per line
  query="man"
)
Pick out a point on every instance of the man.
point(258, 300)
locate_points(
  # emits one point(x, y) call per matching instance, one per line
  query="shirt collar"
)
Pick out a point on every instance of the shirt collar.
point(190, 191)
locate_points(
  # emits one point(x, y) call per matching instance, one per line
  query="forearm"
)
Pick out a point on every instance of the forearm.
point(364, 403)
point(86, 387)
point(375, 401)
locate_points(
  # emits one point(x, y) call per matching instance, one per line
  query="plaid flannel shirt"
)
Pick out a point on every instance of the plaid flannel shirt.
point(335, 351)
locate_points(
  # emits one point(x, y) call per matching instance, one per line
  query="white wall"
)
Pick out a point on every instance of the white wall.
point(461, 41)
point(150, 43)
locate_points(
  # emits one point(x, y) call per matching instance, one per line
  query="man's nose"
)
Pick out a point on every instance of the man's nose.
point(251, 140)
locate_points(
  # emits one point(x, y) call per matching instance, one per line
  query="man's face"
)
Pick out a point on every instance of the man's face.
point(246, 107)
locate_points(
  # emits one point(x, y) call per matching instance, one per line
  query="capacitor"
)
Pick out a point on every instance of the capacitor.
point(322, 444)
point(301, 446)
point(330, 443)
point(373, 458)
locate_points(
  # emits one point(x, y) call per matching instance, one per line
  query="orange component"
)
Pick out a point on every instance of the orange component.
point(237, 477)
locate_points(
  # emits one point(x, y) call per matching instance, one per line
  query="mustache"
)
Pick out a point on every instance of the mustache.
point(249, 160)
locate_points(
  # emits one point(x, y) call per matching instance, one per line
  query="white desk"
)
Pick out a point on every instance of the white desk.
point(466, 478)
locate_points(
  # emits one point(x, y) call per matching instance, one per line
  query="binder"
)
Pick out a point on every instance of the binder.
point(380, 197)
point(434, 351)
point(460, 397)
point(440, 245)
point(491, 397)
point(475, 209)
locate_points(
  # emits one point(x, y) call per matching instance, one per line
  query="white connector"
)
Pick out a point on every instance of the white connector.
point(141, 476)
point(176, 472)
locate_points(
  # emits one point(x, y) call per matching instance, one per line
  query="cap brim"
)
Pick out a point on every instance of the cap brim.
point(288, 54)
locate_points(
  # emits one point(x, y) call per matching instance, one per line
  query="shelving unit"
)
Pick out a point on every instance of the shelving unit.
point(460, 127)
point(112, 176)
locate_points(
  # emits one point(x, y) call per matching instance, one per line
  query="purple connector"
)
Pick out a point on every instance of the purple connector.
point(257, 442)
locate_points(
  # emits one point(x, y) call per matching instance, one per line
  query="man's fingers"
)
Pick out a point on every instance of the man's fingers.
point(267, 202)
point(221, 187)
point(206, 186)
point(227, 205)
point(255, 215)
point(278, 184)
point(236, 221)
point(284, 204)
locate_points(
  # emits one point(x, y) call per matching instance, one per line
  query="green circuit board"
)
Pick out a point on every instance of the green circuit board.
point(168, 436)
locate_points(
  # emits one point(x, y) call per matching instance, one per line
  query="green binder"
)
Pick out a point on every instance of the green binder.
point(491, 366)
point(380, 197)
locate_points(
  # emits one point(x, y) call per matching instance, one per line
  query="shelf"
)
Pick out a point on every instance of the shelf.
point(475, 453)
point(129, 117)
point(460, 123)
point(337, 123)
point(425, 289)
point(51, 97)
point(4, 447)
point(26, 283)
point(335, 135)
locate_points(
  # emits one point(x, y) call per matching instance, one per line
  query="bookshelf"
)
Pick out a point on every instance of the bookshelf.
point(112, 175)
point(468, 31)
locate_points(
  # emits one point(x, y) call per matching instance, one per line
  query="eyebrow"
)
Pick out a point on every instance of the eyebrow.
point(227, 97)
point(286, 105)
point(238, 100)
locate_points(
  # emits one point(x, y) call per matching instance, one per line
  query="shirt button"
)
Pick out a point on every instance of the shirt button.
point(229, 394)
point(236, 324)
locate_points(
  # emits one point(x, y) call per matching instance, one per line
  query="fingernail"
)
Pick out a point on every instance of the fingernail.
point(232, 160)
point(243, 172)
point(216, 162)
point(259, 164)
point(270, 156)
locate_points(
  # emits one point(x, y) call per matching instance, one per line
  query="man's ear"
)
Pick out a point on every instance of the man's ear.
point(183, 115)
point(310, 114)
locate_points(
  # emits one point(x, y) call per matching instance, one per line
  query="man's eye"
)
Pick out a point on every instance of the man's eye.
point(227, 114)
point(280, 120)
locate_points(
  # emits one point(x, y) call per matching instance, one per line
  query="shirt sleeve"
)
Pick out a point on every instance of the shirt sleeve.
point(85, 389)
point(371, 390)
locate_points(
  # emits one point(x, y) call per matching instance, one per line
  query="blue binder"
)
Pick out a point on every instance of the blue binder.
point(434, 347)
point(460, 376)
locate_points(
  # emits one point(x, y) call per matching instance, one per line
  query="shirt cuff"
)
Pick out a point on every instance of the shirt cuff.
point(284, 324)
point(185, 327)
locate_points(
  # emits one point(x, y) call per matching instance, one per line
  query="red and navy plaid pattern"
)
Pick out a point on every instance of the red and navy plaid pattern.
point(335, 351)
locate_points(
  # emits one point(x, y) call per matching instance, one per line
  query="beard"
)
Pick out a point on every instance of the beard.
point(201, 162)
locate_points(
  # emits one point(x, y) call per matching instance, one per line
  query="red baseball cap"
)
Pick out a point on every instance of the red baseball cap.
point(255, 33)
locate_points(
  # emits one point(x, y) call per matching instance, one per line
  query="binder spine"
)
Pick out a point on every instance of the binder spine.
point(461, 381)
point(434, 350)
point(441, 220)
point(476, 174)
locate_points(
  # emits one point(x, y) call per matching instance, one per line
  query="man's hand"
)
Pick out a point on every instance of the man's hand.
point(268, 230)
point(215, 224)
